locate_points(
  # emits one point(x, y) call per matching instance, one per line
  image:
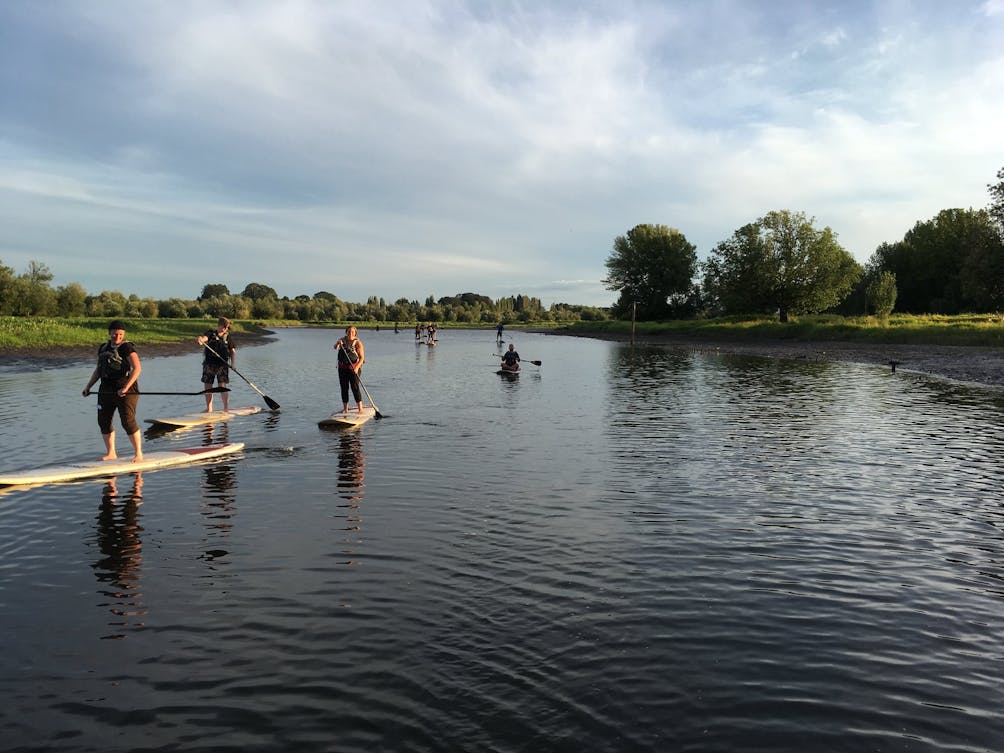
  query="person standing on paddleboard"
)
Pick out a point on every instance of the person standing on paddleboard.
point(220, 353)
point(350, 360)
point(118, 369)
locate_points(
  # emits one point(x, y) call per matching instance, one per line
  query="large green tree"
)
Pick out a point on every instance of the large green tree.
point(213, 290)
point(996, 208)
point(7, 283)
point(653, 268)
point(949, 264)
point(782, 263)
point(257, 290)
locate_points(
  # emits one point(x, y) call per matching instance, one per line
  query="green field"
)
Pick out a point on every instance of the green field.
point(21, 333)
point(962, 329)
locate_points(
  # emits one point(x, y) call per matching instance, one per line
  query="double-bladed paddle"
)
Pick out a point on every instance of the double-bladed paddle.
point(524, 360)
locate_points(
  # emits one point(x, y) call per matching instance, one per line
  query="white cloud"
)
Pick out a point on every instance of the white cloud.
point(472, 146)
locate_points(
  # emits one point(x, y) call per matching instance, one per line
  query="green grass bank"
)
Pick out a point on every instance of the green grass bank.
point(985, 330)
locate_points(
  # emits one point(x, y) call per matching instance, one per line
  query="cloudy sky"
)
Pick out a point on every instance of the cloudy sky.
point(433, 147)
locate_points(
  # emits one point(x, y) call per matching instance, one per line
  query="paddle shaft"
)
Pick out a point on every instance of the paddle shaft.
point(376, 411)
point(203, 392)
point(269, 401)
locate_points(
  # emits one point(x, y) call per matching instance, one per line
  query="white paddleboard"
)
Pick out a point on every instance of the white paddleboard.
point(89, 468)
point(205, 417)
point(351, 417)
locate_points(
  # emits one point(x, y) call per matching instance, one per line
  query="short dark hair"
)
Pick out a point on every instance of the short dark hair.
point(116, 324)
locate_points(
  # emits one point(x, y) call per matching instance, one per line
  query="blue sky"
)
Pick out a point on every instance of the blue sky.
point(410, 148)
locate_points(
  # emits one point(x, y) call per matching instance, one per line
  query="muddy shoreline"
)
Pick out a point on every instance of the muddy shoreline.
point(971, 364)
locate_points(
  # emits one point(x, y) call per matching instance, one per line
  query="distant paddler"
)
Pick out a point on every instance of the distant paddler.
point(510, 359)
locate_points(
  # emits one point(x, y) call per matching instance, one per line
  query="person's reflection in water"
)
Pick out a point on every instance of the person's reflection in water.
point(219, 500)
point(120, 568)
point(351, 485)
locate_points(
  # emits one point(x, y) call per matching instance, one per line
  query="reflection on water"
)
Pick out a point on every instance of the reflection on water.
point(637, 549)
point(350, 486)
point(120, 568)
point(219, 499)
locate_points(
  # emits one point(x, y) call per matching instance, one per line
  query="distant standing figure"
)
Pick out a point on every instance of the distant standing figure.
point(350, 360)
point(118, 368)
point(216, 364)
point(498, 332)
point(418, 330)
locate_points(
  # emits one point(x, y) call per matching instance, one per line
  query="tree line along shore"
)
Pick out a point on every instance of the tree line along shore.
point(19, 334)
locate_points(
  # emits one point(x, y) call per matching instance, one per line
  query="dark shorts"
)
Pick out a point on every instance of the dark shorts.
point(219, 372)
point(125, 405)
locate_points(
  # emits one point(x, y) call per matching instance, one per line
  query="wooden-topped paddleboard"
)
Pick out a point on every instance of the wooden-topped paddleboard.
point(205, 417)
point(89, 468)
point(349, 418)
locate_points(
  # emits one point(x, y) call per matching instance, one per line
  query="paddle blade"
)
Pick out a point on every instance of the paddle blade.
point(537, 363)
point(271, 403)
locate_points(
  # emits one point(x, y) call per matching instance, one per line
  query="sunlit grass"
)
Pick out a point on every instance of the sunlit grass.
point(910, 329)
point(962, 329)
point(33, 332)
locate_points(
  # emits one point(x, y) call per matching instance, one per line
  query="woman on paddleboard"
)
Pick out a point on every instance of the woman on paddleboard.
point(350, 360)
point(118, 369)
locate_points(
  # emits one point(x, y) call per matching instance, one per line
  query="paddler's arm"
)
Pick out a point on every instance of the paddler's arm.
point(362, 356)
point(90, 382)
point(136, 370)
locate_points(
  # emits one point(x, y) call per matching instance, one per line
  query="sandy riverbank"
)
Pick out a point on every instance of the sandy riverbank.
point(972, 364)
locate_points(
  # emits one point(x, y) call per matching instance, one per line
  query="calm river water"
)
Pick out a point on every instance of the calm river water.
point(623, 550)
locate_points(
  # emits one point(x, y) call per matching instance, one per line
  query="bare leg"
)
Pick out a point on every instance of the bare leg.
point(209, 397)
point(225, 396)
point(109, 440)
point(137, 445)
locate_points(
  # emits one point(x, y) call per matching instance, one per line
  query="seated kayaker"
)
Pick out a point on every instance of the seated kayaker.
point(510, 359)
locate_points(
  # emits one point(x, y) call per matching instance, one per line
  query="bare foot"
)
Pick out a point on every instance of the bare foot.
point(110, 456)
point(138, 457)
